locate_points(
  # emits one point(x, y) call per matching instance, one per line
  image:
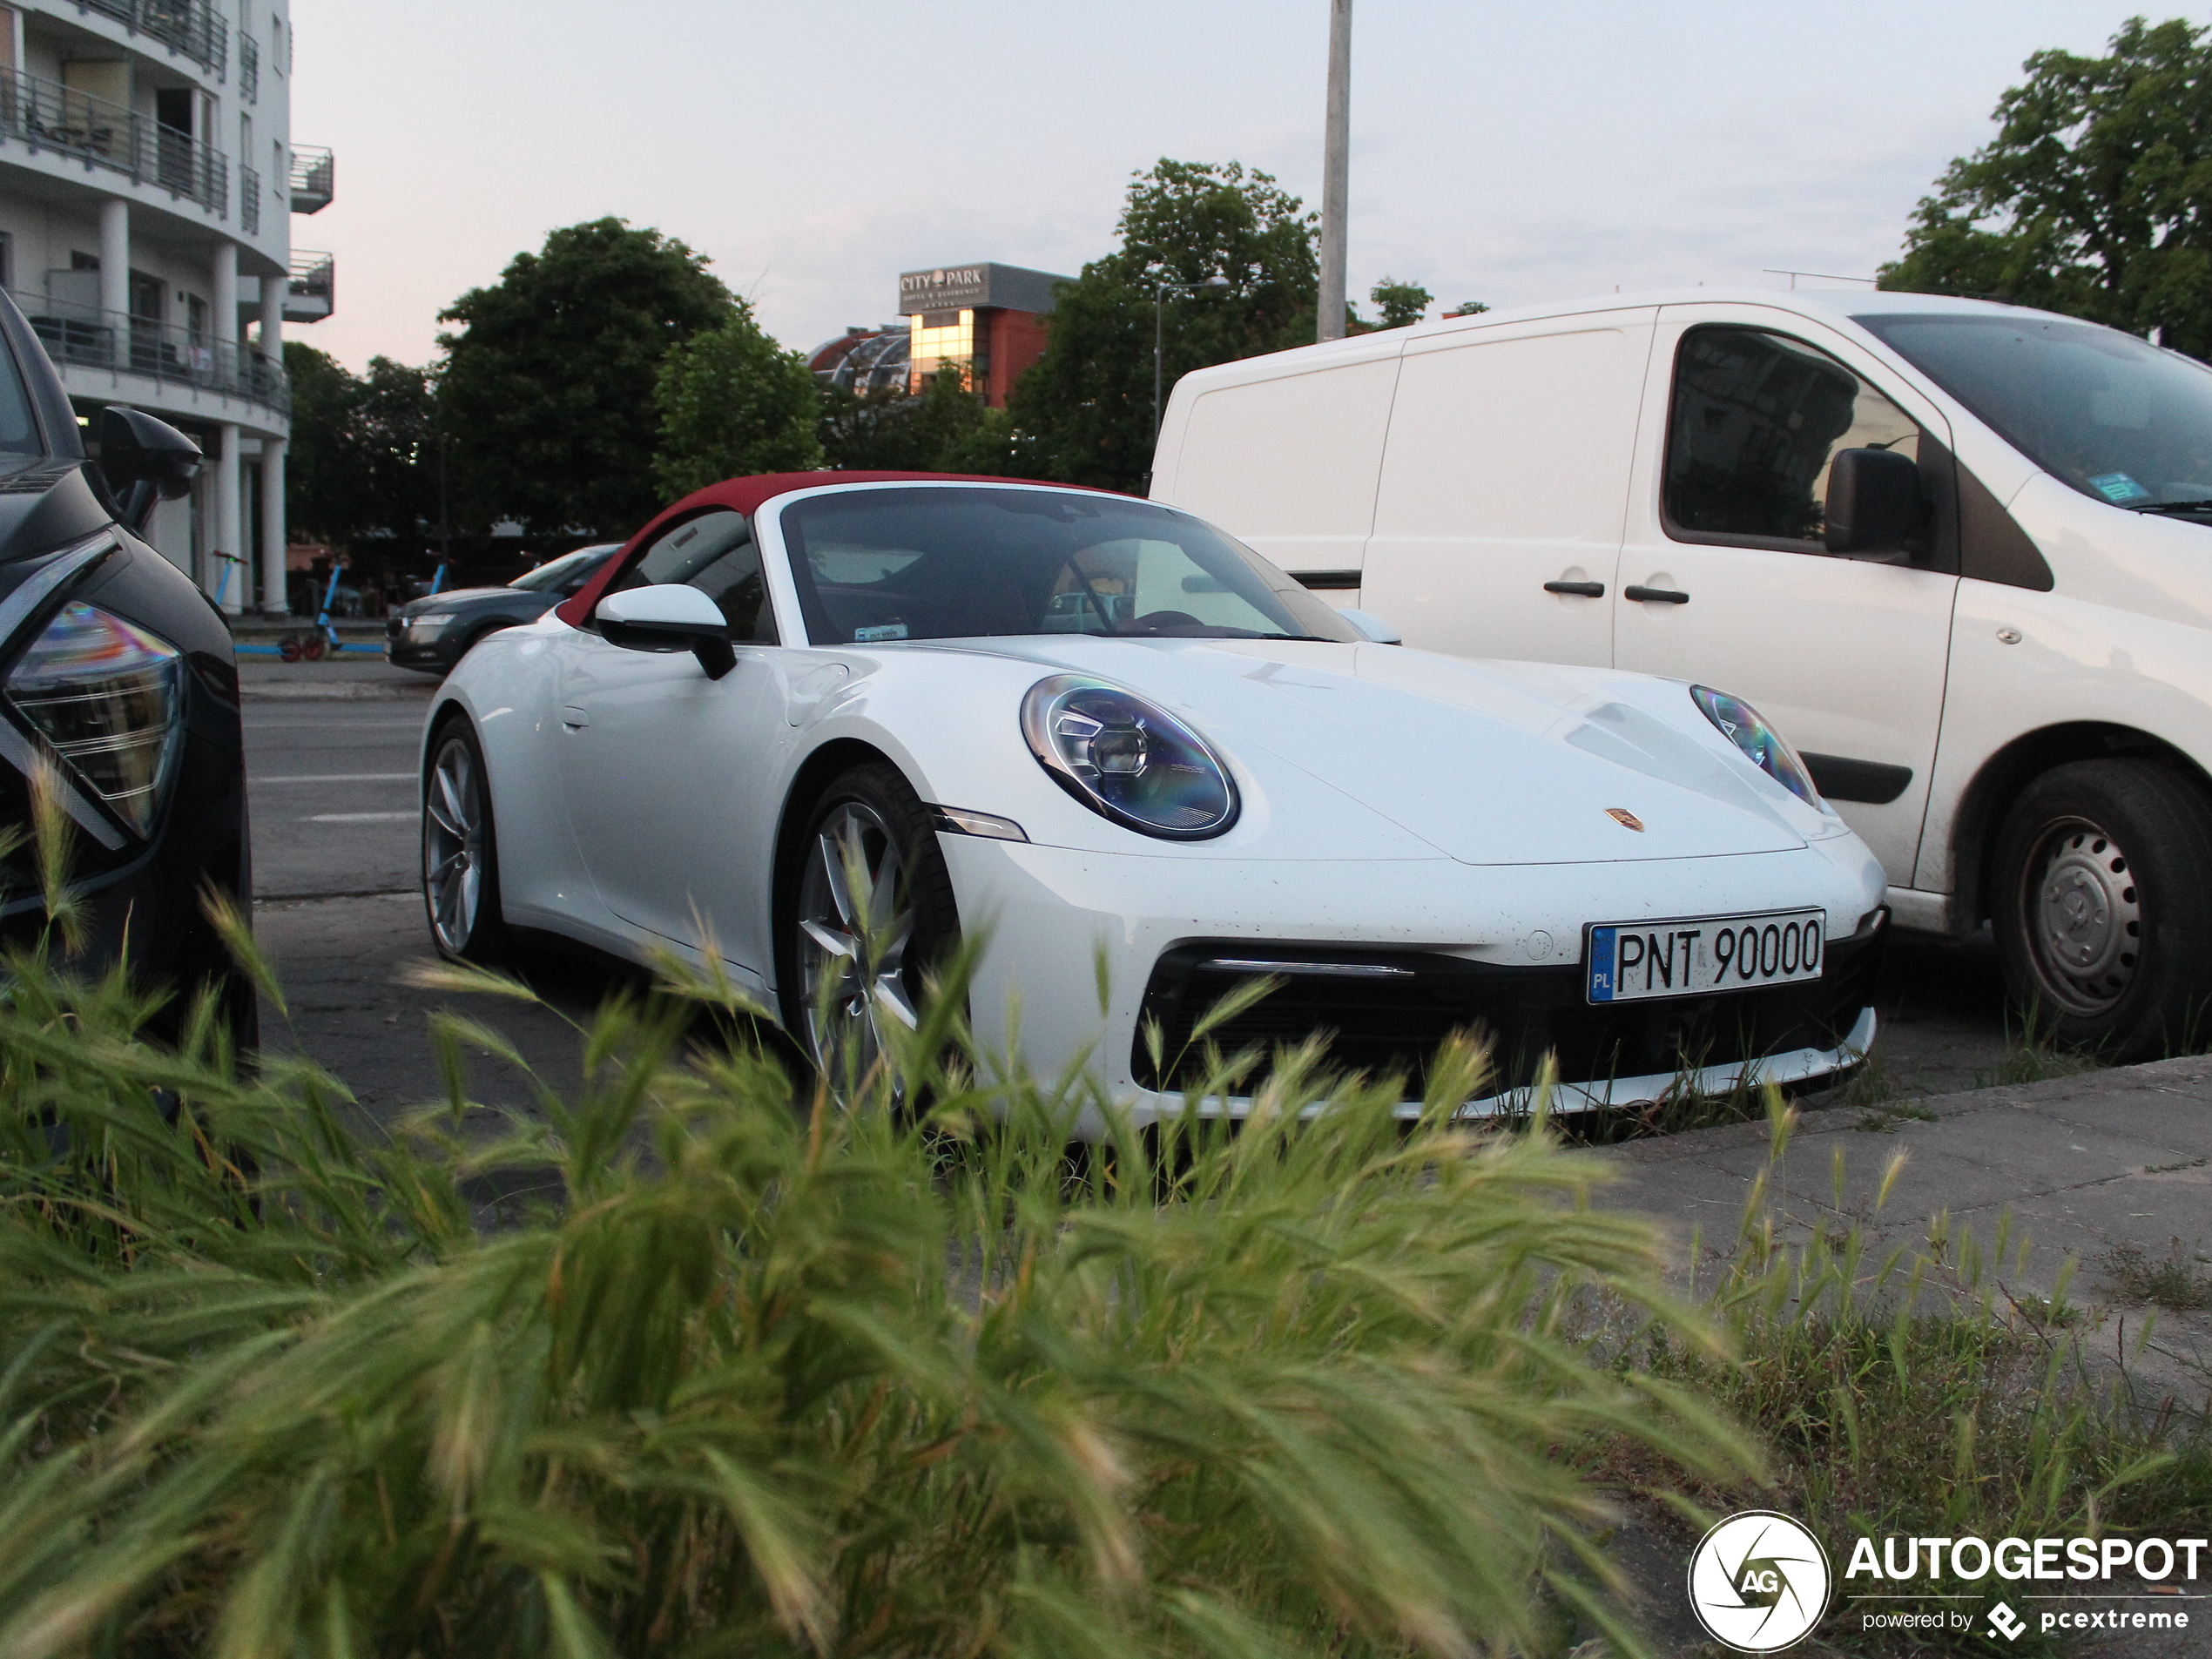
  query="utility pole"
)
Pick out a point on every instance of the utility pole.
point(1336, 168)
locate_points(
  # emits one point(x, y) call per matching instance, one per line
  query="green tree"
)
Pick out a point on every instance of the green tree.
point(944, 428)
point(2095, 197)
point(734, 403)
point(548, 385)
point(362, 460)
point(1400, 303)
point(1085, 411)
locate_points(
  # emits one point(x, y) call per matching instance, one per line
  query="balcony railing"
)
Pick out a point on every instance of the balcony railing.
point(78, 336)
point(190, 26)
point(313, 292)
point(249, 67)
point(46, 115)
point(249, 201)
point(314, 173)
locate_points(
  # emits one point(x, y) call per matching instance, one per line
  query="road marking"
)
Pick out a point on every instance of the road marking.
point(360, 818)
point(341, 778)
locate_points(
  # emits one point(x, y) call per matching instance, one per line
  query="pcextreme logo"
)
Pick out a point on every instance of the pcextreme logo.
point(1758, 1581)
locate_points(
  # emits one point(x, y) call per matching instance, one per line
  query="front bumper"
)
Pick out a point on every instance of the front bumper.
point(1497, 950)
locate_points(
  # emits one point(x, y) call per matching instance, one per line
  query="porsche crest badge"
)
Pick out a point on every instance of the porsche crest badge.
point(1624, 818)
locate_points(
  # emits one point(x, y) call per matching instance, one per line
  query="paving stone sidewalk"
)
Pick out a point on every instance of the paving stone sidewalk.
point(2078, 1167)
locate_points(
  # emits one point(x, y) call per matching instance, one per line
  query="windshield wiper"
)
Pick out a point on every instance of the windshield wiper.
point(2174, 506)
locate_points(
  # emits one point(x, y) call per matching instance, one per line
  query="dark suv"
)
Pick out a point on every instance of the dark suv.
point(117, 680)
point(433, 633)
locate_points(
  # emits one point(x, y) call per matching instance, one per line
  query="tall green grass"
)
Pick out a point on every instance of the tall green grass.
point(693, 1360)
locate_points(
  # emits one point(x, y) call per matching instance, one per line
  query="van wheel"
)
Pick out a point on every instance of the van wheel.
point(2103, 922)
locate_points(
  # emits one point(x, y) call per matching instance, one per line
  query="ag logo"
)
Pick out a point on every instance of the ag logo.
point(1758, 1581)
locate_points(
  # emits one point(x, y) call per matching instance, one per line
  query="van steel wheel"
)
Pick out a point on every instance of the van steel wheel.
point(871, 912)
point(460, 851)
point(2102, 921)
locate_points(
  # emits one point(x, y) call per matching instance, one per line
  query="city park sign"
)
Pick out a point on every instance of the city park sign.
point(981, 286)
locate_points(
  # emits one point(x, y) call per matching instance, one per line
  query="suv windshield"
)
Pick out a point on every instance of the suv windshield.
point(936, 562)
point(2117, 418)
point(554, 572)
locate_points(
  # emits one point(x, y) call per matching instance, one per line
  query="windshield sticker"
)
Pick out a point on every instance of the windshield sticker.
point(873, 635)
point(2118, 487)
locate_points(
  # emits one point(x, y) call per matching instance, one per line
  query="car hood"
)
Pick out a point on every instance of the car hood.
point(1490, 762)
point(464, 598)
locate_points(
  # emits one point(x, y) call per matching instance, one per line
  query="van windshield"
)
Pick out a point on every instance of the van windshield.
point(2116, 417)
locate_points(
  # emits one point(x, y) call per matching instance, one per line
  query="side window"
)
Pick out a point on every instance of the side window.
point(716, 554)
point(1757, 419)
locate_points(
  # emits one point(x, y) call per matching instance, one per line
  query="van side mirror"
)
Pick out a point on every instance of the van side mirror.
point(1873, 502)
point(669, 617)
point(144, 461)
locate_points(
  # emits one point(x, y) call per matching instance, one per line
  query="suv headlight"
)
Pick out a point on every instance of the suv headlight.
point(110, 698)
point(1743, 726)
point(423, 630)
point(1128, 759)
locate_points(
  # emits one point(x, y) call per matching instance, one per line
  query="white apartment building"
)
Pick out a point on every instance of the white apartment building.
point(147, 182)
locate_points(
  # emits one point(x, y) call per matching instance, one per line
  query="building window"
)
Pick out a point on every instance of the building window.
point(249, 67)
point(937, 338)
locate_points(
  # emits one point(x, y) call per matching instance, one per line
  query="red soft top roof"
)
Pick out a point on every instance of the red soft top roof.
point(747, 495)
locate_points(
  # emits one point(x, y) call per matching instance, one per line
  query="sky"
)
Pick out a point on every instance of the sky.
point(814, 149)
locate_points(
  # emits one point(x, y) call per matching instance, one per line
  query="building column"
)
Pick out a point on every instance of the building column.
point(271, 341)
point(272, 543)
point(223, 283)
point(229, 516)
point(115, 273)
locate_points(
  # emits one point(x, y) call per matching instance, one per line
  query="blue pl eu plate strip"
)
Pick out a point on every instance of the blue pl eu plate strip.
point(1601, 949)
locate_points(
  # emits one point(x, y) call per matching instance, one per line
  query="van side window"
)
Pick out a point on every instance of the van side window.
point(1757, 420)
point(715, 553)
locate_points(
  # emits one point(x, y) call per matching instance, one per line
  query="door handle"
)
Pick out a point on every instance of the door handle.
point(575, 718)
point(1657, 596)
point(1577, 590)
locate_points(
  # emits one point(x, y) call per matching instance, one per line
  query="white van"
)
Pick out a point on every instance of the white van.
point(1960, 552)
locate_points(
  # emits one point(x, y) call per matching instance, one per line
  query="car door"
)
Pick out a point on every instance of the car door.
point(663, 769)
point(1498, 518)
point(1726, 582)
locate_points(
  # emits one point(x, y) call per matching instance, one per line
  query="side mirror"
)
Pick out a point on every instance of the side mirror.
point(144, 461)
point(1372, 627)
point(669, 617)
point(1873, 503)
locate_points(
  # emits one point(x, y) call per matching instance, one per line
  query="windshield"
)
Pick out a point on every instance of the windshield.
point(554, 572)
point(2112, 415)
point(952, 564)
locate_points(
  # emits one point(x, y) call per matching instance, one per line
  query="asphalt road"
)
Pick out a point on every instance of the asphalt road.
point(332, 750)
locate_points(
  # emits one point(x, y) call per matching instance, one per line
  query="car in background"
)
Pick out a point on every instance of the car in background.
point(118, 682)
point(809, 727)
point(434, 632)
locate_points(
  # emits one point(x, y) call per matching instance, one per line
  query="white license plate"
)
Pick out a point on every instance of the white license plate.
point(1695, 956)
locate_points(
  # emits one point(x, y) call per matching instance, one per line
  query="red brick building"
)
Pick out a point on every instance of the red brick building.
point(988, 318)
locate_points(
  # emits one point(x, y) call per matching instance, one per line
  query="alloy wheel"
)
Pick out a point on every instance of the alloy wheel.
point(453, 845)
point(2083, 922)
point(855, 924)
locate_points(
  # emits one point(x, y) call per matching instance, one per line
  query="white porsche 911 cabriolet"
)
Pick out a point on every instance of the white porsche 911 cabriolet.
point(819, 723)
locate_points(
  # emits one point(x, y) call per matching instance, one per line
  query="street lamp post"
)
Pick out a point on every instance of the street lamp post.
point(1160, 292)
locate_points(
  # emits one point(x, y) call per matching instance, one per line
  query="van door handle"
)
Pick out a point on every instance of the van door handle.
point(1659, 596)
point(575, 718)
point(1577, 590)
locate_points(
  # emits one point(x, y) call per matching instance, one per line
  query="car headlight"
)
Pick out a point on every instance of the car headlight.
point(1745, 727)
point(110, 698)
point(426, 629)
point(1128, 759)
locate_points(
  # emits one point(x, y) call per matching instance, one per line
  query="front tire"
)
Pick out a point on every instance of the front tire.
point(869, 914)
point(2103, 916)
point(461, 850)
